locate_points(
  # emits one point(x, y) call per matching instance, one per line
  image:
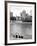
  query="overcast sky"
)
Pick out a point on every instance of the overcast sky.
point(18, 9)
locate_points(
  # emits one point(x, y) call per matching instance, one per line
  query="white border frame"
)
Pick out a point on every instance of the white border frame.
point(8, 25)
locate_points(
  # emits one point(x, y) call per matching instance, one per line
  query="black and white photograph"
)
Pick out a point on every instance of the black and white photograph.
point(20, 22)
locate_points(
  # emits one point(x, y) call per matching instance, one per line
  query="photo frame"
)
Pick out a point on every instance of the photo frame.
point(20, 22)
